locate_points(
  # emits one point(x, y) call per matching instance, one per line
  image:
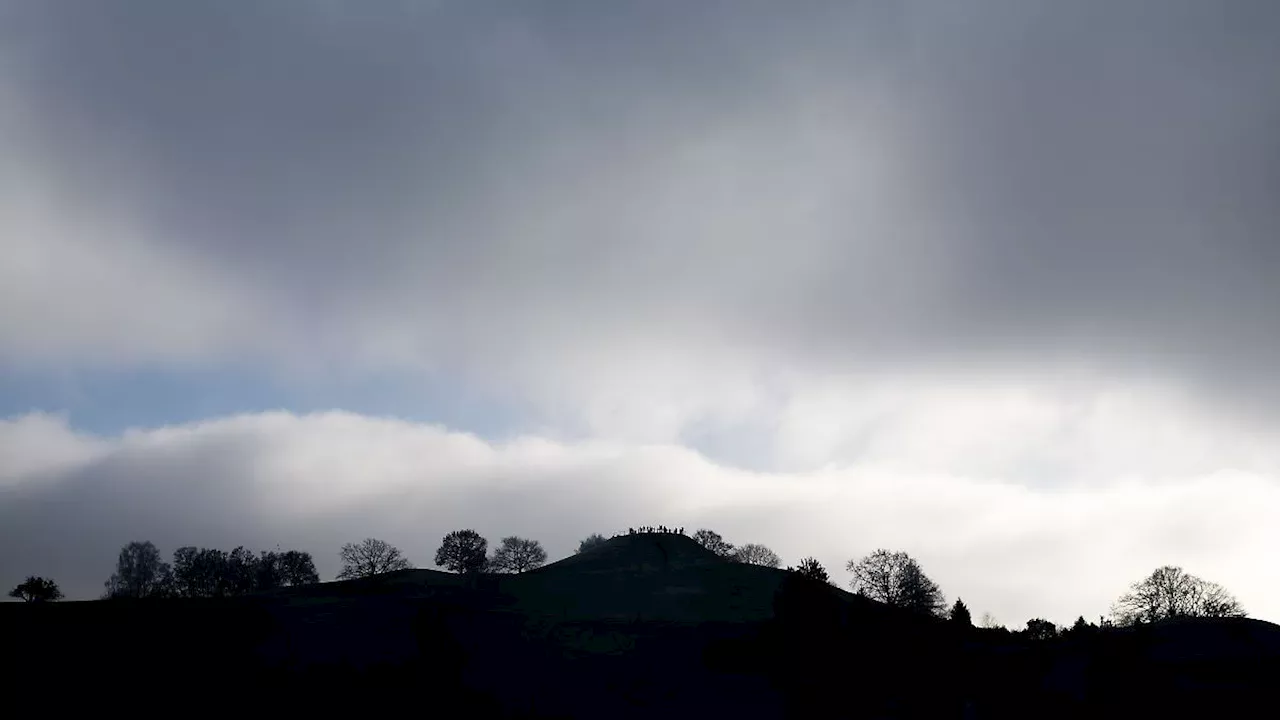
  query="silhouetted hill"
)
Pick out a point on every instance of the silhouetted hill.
point(648, 577)
point(642, 553)
point(641, 626)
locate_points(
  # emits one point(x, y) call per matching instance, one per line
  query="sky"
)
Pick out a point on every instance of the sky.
point(993, 283)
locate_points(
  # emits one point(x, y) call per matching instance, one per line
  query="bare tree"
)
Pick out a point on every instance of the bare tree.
point(139, 573)
point(463, 551)
point(594, 540)
point(757, 554)
point(895, 578)
point(1168, 593)
point(370, 557)
point(517, 554)
point(36, 589)
point(712, 541)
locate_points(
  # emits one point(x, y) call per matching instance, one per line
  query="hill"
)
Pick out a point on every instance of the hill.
point(642, 626)
point(647, 577)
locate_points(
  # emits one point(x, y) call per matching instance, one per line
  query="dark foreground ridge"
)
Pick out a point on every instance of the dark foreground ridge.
point(642, 626)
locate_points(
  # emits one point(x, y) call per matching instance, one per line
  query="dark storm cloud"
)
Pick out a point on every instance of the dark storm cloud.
point(920, 184)
point(1115, 170)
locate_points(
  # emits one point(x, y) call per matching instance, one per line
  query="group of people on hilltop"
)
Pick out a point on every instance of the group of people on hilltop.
point(661, 529)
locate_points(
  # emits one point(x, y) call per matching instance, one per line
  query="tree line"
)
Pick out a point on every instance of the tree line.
point(896, 579)
point(461, 551)
point(141, 572)
point(890, 577)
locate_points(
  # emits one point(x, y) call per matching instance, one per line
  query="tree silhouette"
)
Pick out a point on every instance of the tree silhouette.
point(283, 569)
point(757, 554)
point(960, 614)
point(895, 578)
point(206, 572)
point(297, 568)
point(1040, 629)
point(240, 576)
point(462, 551)
point(594, 540)
point(810, 567)
point(1170, 593)
point(712, 541)
point(199, 572)
point(36, 589)
point(140, 573)
point(1080, 628)
point(268, 574)
point(370, 557)
point(517, 554)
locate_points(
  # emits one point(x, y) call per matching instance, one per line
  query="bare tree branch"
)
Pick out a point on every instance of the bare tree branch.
point(517, 554)
point(370, 557)
point(1169, 593)
point(895, 578)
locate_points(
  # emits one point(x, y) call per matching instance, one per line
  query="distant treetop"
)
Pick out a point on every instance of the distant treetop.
point(1170, 593)
point(712, 541)
point(463, 551)
point(757, 554)
point(1040, 629)
point(370, 557)
point(810, 567)
point(593, 540)
point(36, 589)
point(895, 578)
point(517, 555)
point(140, 573)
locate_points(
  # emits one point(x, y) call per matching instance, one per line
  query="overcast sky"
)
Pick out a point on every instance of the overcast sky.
point(992, 282)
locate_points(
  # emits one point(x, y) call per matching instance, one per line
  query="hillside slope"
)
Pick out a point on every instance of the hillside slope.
point(647, 577)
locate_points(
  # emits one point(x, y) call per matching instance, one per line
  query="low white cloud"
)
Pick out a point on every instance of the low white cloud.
point(316, 481)
point(1068, 428)
point(38, 445)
